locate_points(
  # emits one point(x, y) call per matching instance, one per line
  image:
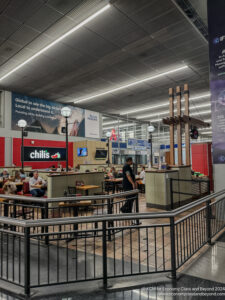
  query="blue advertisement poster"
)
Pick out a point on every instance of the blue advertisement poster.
point(216, 26)
point(45, 116)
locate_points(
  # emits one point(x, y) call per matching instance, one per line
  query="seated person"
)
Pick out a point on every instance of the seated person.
point(112, 173)
point(22, 174)
point(70, 169)
point(77, 168)
point(59, 168)
point(10, 188)
point(17, 177)
point(142, 175)
point(37, 181)
point(5, 174)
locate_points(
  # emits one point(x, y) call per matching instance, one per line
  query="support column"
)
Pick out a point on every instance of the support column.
point(171, 106)
point(179, 127)
point(187, 125)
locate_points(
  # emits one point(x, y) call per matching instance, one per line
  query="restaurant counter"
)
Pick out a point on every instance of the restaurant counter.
point(158, 189)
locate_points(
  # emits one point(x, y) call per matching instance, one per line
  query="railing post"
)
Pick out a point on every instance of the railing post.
point(171, 193)
point(110, 223)
point(137, 203)
point(46, 227)
point(6, 211)
point(208, 222)
point(104, 254)
point(173, 248)
point(200, 188)
point(208, 183)
point(137, 207)
point(27, 261)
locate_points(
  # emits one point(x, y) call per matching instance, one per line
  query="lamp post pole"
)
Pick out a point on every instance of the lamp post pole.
point(151, 148)
point(151, 129)
point(108, 152)
point(66, 113)
point(67, 156)
point(108, 135)
point(22, 124)
point(22, 148)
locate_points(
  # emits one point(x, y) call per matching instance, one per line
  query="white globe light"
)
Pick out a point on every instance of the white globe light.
point(22, 123)
point(108, 134)
point(151, 128)
point(66, 112)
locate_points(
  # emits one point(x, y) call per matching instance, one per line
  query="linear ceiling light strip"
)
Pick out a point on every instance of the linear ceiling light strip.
point(57, 40)
point(132, 84)
point(167, 112)
point(162, 105)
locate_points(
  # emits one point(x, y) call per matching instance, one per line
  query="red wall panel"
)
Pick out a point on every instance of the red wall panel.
point(202, 160)
point(2, 151)
point(39, 143)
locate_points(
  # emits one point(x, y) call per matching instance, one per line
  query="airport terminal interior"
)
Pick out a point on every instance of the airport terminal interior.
point(112, 149)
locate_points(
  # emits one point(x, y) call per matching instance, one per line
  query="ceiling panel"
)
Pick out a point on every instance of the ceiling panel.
point(21, 10)
point(7, 26)
point(130, 41)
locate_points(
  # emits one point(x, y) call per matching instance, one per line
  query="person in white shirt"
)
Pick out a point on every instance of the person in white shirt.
point(35, 183)
point(142, 175)
point(5, 174)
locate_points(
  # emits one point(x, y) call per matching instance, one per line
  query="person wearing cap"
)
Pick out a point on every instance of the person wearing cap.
point(5, 174)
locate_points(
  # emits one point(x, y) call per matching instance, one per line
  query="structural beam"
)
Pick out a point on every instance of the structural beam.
point(171, 107)
point(179, 126)
point(187, 126)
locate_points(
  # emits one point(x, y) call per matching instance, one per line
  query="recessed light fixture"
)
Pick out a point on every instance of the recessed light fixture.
point(132, 84)
point(205, 95)
point(57, 40)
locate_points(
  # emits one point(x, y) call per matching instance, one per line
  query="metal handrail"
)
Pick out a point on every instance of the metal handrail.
point(113, 217)
point(188, 180)
point(75, 198)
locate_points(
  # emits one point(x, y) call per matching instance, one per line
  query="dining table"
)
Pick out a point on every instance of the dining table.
point(87, 188)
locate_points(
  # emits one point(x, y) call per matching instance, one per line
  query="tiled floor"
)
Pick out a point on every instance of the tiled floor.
point(131, 250)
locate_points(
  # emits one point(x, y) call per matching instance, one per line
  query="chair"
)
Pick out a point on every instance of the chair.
point(25, 190)
point(72, 191)
point(141, 187)
point(103, 192)
point(107, 187)
point(119, 187)
point(79, 182)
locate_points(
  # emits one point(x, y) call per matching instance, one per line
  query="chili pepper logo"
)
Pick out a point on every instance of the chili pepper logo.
point(56, 156)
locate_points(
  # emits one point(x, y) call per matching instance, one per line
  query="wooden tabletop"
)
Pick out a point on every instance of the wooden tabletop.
point(16, 183)
point(114, 180)
point(87, 187)
point(37, 186)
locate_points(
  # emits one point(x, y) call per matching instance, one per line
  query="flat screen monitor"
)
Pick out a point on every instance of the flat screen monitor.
point(82, 152)
point(101, 154)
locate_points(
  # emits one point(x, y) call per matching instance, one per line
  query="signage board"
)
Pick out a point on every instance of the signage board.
point(45, 117)
point(91, 124)
point(216, 28)
point(131, 143)
point(44, 154)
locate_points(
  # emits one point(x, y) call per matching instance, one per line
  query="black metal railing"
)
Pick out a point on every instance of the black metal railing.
point(184, 190)
point(45, 252)
point(41, 208)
